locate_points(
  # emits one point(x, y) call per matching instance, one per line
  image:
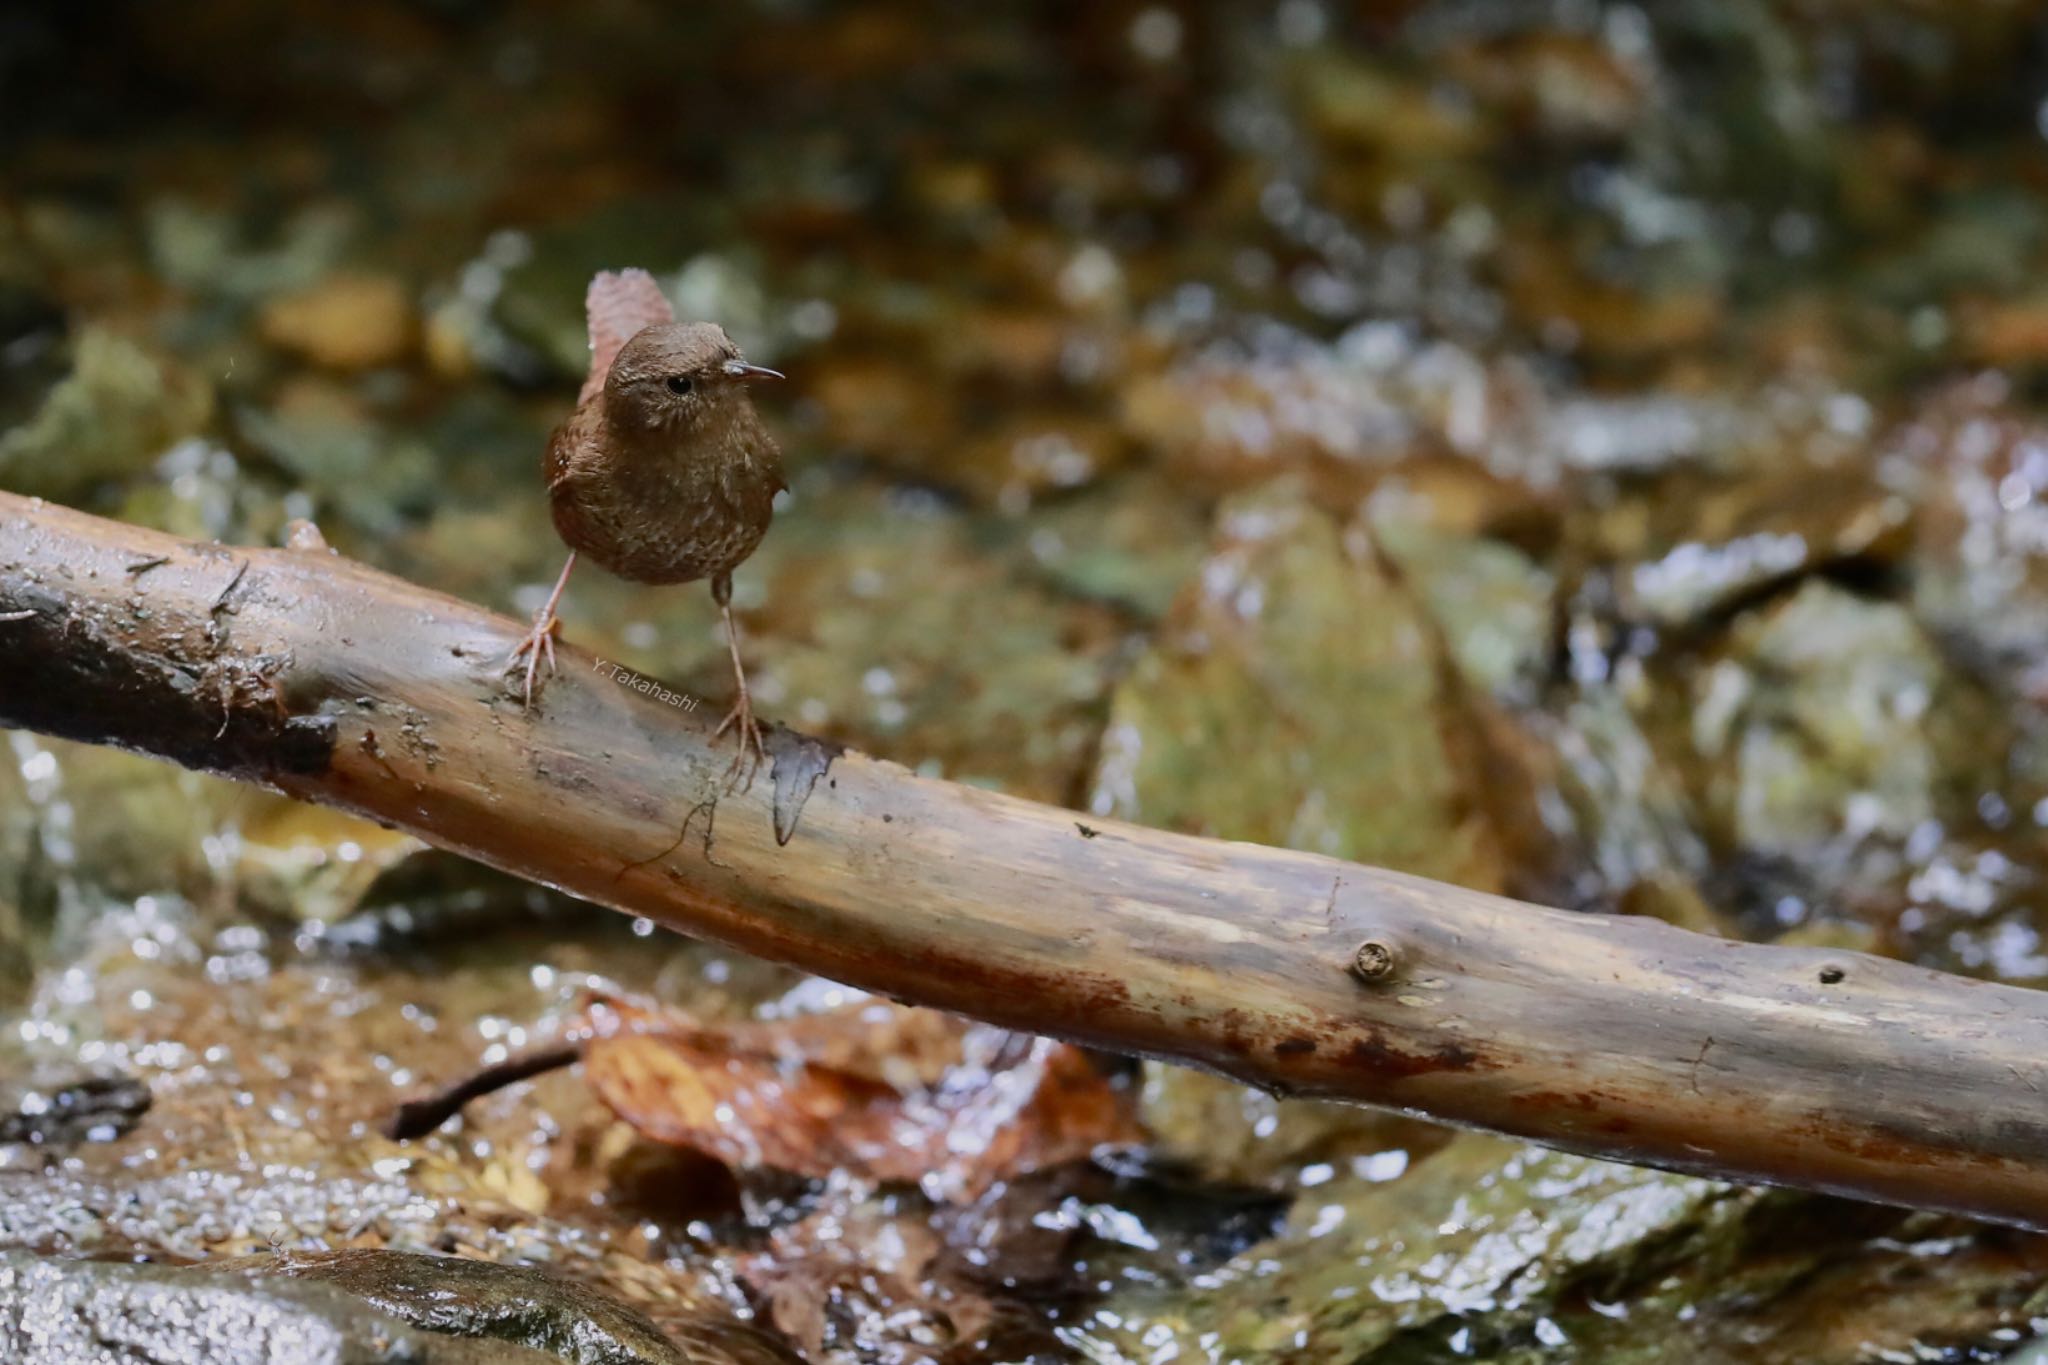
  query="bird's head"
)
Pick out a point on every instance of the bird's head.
point(680, 377)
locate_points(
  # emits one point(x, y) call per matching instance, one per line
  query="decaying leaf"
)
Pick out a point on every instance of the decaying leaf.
point(830, 1092)
point(822, 1279)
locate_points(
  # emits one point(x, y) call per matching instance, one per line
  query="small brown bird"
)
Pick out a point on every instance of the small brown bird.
point(664, 474)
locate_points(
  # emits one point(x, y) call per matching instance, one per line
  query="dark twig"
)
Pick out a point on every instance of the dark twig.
point(417, 1118)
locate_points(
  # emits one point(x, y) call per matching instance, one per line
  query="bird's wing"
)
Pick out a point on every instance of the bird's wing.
point(619, 305)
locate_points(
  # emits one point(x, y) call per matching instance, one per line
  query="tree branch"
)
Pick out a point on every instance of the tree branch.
point(1305, 975)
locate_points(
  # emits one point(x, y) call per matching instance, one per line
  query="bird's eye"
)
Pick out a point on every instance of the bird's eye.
point(679, 384)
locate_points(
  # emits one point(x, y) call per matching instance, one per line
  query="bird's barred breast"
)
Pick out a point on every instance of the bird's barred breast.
point(661, 530)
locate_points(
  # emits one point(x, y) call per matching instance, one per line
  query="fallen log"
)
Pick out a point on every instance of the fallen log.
point(1621, 1037)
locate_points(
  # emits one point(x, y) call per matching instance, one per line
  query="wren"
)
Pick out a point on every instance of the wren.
point(664, 474)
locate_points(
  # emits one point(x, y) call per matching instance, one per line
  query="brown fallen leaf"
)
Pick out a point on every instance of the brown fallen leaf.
point(757, 1095)
point(854, 1276)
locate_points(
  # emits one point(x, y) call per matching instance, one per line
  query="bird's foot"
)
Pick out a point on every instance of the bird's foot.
point(747, 759)
point(540, 641)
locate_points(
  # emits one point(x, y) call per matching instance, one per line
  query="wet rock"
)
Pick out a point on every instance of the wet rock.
point(1009, 463)
point(2007, 333)
point(1979, 250)
point(1230, 1134)
point(1493, 1251)
point(1131, 544)
point(1828, 719)
point(351, 321)
point(1003, 407)
point(28, 898)
point(317, 866)
point(1702, 548)
point(340, 454)
point(1015, 345)
point(1293, 698)
point(31, 333)
point(461, 1297)
point(97, 828)
point(886, 404)
point(1484, 1232)
point(1357, 104)
point(1633, 823)
point(197, 490)
point(270, 1072)
point(120, 408)
point(1822, 760)
point(56, 1312)
point(421, 900)
point(1564, 86)
point(890, 410)
point(1491, 601)
point(62, 1112)
point(1847, 767)
point(1295, 695)
point(207, 1207)
point(1649, 434)
point(213, 251)
point(462, 334)
point(1340, 415)
point(1977, 463)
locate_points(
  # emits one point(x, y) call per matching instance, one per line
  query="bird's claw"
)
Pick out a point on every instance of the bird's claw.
point(538, 642)
point(748, 758)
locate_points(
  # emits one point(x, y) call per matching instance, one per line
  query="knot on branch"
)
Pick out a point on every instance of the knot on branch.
point(1373, 961)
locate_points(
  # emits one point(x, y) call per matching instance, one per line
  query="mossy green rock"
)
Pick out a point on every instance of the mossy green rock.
point(465, 1297)
point(1491, 601)
point(1482, 1235)
point(119, 409)
point(1833, 714)
point(1130, 543)
point(1495, 1251)
point(55, 1312)
point(1293, 697)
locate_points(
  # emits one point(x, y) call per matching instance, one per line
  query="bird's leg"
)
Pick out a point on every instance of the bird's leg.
point(741, 717)
point(541, 639)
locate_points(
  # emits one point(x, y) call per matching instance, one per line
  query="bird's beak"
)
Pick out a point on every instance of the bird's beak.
point(740, 369)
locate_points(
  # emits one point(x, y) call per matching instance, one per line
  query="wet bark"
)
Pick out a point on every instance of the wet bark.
point(1623, 1037)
